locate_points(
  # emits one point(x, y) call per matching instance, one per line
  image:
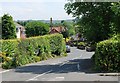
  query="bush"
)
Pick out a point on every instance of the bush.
point(107, 55)
point(57, 44)
point(36, 58)
point(9, 47)
point(91, 47)
point(31, 49)
point(81, 44)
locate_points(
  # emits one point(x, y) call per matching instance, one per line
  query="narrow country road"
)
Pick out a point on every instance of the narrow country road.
point(75, 67)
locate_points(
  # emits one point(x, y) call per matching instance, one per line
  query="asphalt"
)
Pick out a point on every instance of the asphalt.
point(77, 66)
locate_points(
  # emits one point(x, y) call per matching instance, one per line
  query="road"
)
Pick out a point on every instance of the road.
point(75, 67)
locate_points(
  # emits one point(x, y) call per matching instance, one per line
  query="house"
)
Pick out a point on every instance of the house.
point(20, 31)
point(56, 29)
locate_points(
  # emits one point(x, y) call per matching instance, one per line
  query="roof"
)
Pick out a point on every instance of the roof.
point(19, 26)
point(58, 29)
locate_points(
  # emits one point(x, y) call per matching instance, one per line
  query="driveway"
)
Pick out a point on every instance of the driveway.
point(77, 66)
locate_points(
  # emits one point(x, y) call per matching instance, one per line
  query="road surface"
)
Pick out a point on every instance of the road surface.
point(75, 67)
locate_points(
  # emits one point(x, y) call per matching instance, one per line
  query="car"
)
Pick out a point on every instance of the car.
point(67, 48)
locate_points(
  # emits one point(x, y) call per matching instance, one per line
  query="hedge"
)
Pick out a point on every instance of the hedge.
point(33, 49)
point(107, 55)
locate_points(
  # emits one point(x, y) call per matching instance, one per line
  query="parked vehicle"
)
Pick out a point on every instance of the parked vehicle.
point(67, 48)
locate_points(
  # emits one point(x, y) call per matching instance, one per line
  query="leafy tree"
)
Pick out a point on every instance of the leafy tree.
point(95, 18)
point(116, 8)
point(69, 29)
point(115, 25)
point(8, 27)
point(69, 26)
point(65, 34)
point(36, 28)
point(23, 23)
point(57, 24)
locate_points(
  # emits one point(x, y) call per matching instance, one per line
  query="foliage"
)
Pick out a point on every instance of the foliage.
point(81, 44)
point(8, 27)
point(116, 8)
point(115, 25)
point(69, 29)
point(107, 55)
point(95, 19)
point(57, 24)
point(9, 47)
point(56, 44)
point(33, 49)
point(65, 34)
point(23, 23)
point(36, 28)
point(69, 26)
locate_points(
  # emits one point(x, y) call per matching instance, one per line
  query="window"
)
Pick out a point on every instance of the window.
point(17, 29)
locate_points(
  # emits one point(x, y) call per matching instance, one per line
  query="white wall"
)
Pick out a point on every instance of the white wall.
point(18, 33)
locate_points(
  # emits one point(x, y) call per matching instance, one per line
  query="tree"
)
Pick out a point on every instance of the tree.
point(69, 27)
point(8, 27)
point(94, 18)
point(23, 23)
point(36, 28)
point(65, 34)
point(115, 25)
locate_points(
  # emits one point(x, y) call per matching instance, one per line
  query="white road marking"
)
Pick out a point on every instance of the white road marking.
point(63, 63)
point(78, 66)
point(35, 78)
point(4, 71)
point(68, 60)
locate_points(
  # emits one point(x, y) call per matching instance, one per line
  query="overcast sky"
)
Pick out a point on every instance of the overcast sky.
point(34, 9)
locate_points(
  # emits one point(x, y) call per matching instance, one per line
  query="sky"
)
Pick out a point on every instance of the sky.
point(34, 9)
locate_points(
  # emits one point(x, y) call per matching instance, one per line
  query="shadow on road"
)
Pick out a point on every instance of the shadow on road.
point(76, 65)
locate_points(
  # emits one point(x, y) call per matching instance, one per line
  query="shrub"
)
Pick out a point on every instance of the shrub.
point(81, 43)
point(36, 58)
point(9, 47)
point(56, 43)
point(31, 50)
point(107, 55)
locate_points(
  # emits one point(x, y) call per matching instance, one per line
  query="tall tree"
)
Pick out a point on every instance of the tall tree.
point(8, 27)
point(95, 18)
point(69, 29)
point(115, 25)
point(36, 28)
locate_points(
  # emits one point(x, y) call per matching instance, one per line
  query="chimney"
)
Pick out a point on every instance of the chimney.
point(51, 23)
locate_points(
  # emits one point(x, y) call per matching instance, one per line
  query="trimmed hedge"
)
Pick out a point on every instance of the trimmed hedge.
point(107, 55)
point(34, 49)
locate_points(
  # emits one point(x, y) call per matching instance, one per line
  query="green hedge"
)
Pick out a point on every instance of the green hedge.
point(33, 49)
point(107, 55)
point(55, 44)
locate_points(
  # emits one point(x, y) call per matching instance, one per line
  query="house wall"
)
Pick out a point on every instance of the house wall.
point(18, 33)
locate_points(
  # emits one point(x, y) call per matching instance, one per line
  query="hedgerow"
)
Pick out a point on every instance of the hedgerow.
point(30, 50)
point(107, 55)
